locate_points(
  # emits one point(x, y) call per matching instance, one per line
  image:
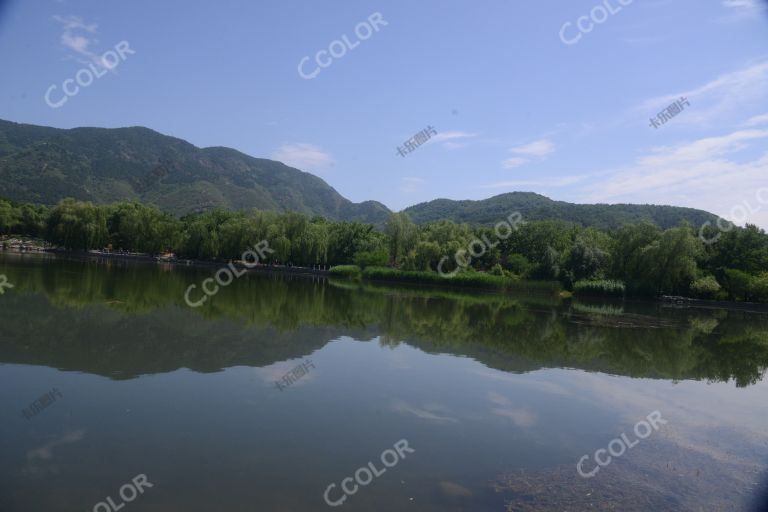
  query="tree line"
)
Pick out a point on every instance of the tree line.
point(648, 260)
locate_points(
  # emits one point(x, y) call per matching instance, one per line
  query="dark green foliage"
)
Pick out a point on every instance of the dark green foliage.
point(649, 260)
point(365, 259)
point(737, 283)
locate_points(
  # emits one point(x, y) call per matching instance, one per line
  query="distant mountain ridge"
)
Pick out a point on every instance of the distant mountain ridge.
point(44, 165)
point(534, 206)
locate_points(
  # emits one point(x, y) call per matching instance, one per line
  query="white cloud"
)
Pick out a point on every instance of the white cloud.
point(538, 148)
point(511, 163)
point(443, 136)
point(711, 173)
point(740, 9)
point(77, 36)
point(519, 416)
point(757, 120)
point(76, 23)
point(430, 412)
point(307, 157)
point(453, 139)
point(727, 95)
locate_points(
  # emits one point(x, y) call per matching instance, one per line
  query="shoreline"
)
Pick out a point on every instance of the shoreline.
point(663, 301)
point(144, 258)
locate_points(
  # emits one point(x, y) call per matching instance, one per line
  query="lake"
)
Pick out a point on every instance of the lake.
point(294, 393)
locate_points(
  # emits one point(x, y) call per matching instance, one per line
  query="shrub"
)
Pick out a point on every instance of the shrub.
point(518, 264)
point(758, 288)
point(706, 287)
point(602, 288)
point(737, 283)
point(365, 259)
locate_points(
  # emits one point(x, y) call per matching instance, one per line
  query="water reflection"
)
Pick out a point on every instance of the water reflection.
point(132, 320)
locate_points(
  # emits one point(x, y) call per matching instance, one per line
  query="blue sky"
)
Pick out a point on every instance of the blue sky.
point(514, 106)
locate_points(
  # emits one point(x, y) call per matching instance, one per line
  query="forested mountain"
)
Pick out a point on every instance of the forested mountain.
point(44, 165)
point(537, 207)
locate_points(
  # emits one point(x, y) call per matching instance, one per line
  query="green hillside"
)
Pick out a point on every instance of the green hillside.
point(43, 165)
point(537, 207)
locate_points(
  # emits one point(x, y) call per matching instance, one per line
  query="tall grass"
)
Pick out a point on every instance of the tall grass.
point(463, 279)
point(600, 288)
point(345, 271)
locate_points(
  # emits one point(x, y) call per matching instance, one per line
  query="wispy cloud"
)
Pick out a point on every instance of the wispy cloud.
point(741, 9)
point(727, 95)
point(511, 163)
point(79, 37)
point(40, 460)
point(536, 149)
point(757, 120)
point(714, 173)
point(307, 157)
point(520, 416)
point(555, 181)
point(453, 139)
point(429, 412)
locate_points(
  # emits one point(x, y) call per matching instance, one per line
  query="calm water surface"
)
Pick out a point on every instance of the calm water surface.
point(498, 396)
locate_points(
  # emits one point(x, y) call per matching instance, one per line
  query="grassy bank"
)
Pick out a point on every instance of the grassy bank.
point(478, 280)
